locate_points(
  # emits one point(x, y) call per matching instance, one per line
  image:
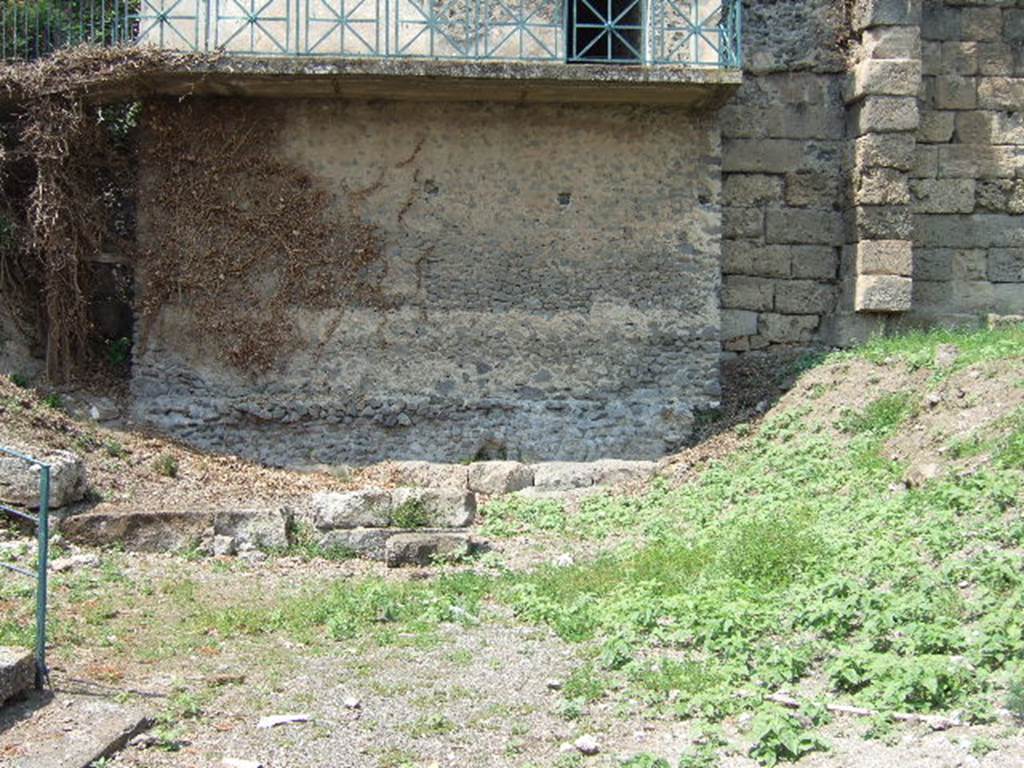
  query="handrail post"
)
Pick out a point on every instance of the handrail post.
point(42, 564)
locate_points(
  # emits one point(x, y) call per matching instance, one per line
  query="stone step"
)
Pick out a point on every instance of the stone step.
point(373, 543)
point(495, 478)
point(17, 672)
point(161, 531)
point(425, 548)
point(394, 507)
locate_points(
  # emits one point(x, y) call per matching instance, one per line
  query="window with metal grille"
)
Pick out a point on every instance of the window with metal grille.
point(608, 31)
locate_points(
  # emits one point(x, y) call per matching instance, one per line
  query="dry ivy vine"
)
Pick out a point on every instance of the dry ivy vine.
point(241, 236)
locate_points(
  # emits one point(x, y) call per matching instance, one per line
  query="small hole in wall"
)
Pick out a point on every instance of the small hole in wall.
point(431, 188)
point(564, 198)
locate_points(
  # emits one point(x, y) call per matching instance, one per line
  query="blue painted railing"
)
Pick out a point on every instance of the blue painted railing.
point(703, 33)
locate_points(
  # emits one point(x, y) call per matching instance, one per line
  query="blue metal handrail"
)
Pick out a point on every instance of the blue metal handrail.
point(42, 525)
point(703, 33)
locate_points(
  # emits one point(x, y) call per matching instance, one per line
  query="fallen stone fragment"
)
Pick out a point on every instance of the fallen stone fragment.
point(70, 563)
point(919, 474)
point(352, 702)
point(224, 546)
point(587, 745)
point(946, 355)
point(17, 672)
point(271, 721)
point(553, 684)
point(425, 548)
point(19, 480)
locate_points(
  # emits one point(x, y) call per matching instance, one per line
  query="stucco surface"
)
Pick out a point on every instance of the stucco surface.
point(552, 276)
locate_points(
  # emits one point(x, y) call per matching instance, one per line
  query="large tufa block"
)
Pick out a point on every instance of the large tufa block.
point(19, 480)
point(399, 507)
point(885, 257)
point(886, 77)
point(885, 13)
point(17, 672)
point(883, 293)
point(425, 548)
point(883, 114)
point(494, 478)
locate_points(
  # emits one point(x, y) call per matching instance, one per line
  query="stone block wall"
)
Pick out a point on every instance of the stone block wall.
point(783, 140)
point(873, 182)
point(967, 180)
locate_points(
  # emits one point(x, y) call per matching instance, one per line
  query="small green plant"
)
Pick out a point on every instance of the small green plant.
point(166, 465)
point(53, 401)
point(119, 351)
point(19, 380)
point(307, 544)
point(881, 418)
point(584, 684)
point(115, 450)
point(780, 736)
point(1015, 699)
point(431, 725)
point(981, 747)
point(410, 514)
point(646, 760)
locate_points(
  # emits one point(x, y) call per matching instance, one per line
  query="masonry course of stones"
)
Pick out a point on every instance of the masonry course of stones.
point(878, 191)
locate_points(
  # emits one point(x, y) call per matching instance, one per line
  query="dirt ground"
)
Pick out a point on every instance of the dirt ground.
point(136, 628)
point(481, 694)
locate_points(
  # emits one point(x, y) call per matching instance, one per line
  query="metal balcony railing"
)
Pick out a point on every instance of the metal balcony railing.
point(701, 33)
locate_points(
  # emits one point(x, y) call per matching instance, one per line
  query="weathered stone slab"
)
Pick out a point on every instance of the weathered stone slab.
point(883, 293)
point(885, 257)
point(430, 474)
point(369, 507)
point(88, 730)
point(564, 475)
point(259, 528)
point(365, 542)
point(401, 507)
point(439, 507)
point(19, 481)
point(140, 531)
point(497, 477)
point(425, 548)
point(17, 672)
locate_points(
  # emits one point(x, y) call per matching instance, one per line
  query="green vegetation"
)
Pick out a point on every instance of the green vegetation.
point(794, 559)
point(410, 514)
point(166, 465)
point(918, 348)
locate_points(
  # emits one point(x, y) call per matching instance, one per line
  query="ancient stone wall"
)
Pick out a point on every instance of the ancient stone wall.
point(783, 181)
point(892, 132)
point(967, 181)
point(550, 288)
